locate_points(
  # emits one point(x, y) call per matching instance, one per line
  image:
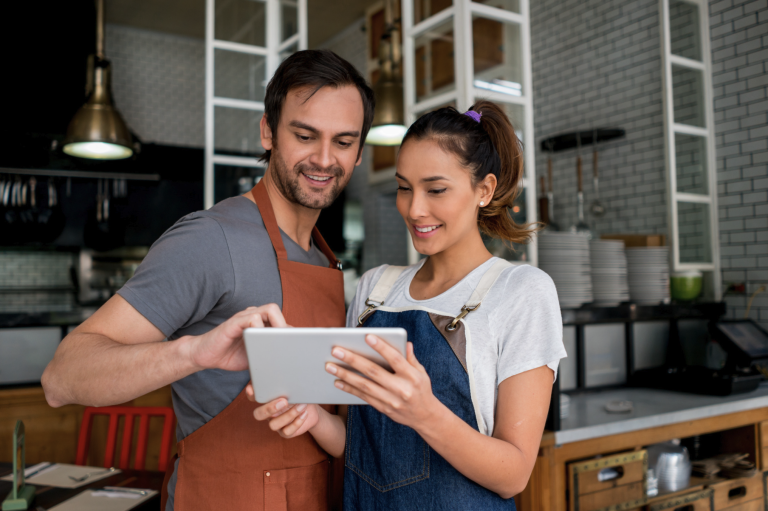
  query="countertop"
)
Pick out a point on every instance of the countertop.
point(588, 419)
point(30, 319)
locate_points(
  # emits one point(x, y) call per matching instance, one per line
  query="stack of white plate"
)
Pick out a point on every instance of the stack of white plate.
point(565, 257)
point(609, 272)
point(648, 274)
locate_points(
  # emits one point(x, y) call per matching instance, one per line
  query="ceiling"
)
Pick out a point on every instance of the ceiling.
point(187, 17)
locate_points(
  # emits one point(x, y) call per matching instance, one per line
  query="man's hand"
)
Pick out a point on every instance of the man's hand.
point(223, 347)
point(288, 421)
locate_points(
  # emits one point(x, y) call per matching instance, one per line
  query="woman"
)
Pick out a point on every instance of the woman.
point(457, 424)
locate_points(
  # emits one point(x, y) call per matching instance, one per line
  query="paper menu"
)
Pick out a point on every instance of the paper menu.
point(95, 500)
point(58, 475)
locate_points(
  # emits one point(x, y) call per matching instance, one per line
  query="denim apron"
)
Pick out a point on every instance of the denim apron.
point(388, 465)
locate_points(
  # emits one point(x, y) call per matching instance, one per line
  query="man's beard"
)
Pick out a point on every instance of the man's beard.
point(289, 184)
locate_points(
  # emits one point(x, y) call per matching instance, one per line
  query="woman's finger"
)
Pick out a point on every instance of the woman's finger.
point(281, 421)
point(390, 354)
point(351, 389)
point(293, 427)
point(364, 384)
point(266, 411)
point(411, 358)
point(367, 368)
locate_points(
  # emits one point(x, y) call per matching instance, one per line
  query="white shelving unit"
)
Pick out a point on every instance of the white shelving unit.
point(689, 134)
point(245, 41)
point(490, 50)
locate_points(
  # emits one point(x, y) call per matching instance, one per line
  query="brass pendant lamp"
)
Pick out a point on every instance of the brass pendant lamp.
point(388, 126)
point(98, 131)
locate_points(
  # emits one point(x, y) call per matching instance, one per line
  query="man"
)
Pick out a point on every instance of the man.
point(254, 260)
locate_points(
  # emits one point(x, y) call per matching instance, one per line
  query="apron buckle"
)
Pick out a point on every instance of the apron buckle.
point(453, 325)
point(371, 305)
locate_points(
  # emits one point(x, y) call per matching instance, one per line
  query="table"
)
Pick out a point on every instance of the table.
point(47, 496)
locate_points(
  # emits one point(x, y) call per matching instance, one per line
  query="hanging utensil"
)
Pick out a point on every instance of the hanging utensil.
point(543, 206)
point(597, 209)
point(551, 194)
point(580, 226)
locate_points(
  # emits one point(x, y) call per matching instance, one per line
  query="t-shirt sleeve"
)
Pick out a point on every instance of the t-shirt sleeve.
point(186, 273)
point(528, 323)
point(364, 288)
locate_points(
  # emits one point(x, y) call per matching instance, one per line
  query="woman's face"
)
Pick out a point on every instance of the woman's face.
point(436, 198)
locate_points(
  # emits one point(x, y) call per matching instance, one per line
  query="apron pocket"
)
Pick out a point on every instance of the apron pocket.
point(297, 489)
point(395, 456)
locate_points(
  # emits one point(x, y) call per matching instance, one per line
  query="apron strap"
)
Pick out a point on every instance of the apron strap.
point(261, 197)
point(478, 295)
point(487, 282)
point(381, 290)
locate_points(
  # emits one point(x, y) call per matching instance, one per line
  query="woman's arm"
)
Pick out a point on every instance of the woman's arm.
point(502, 463)
point(290, 421)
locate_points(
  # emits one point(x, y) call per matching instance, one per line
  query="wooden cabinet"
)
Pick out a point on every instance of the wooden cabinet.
point(739, 494)
point(763, 440)
point(615, 481)
point(695, 501)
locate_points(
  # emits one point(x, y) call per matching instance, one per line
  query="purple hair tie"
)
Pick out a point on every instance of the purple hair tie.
point(474, 115)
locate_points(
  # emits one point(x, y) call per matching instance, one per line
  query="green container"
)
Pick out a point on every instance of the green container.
point(685, 286)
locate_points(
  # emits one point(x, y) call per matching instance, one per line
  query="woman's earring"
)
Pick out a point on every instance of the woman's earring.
point(482, 203)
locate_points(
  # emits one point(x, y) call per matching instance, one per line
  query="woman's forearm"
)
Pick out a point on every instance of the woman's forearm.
point(330, 433)
point(490, 462)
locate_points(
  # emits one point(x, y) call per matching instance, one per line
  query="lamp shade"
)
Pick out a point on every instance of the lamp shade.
point(388, 127)
point(97, 130)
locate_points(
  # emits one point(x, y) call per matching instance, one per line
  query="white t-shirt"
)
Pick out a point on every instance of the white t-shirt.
point(518, 326)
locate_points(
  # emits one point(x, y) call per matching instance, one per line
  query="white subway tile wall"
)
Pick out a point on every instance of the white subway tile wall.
point(30, 270)
point(739, 39)
point(598, 63)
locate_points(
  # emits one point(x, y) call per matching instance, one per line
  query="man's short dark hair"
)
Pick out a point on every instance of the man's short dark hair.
point(314, 69)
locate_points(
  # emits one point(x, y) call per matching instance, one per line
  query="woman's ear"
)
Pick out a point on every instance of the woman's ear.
point(486, 187)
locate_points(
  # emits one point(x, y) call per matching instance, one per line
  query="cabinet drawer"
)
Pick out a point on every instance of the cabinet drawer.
point(752, 505)
point(763, 445)
point(591, 491)
point(696, 501)
point(732, 493)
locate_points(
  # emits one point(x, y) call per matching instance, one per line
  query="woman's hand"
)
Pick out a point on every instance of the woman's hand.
point(405, 396)
point(289, 421)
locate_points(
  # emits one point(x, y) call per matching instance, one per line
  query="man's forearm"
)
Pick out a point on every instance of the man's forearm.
point(91, 369)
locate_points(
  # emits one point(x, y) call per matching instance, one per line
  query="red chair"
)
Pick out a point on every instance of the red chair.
point(129, 412)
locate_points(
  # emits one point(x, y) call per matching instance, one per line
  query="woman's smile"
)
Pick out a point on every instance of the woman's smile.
point(425, 231)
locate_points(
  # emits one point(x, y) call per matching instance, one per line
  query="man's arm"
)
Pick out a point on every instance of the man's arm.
point(117, 354)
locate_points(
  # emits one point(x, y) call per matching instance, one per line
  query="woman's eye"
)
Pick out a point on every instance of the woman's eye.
point(438, 190)
point(403, 188)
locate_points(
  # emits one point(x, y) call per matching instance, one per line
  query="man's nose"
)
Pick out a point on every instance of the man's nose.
point(323, 156)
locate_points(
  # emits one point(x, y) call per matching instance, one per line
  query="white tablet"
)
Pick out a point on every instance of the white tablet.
point(290, 362)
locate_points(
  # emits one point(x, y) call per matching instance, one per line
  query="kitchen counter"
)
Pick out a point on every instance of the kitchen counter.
point(29, 319)
point(588, 419)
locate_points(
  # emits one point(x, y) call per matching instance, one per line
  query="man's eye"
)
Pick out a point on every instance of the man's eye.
point(303, 138)
point(345, 144)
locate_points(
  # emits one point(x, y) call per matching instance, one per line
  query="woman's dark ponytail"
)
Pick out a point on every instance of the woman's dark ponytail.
point(488, 147)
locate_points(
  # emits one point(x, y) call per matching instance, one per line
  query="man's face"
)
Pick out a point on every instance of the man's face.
point(317, 144)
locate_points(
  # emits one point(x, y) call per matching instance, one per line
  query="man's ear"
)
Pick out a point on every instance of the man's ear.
point(266, 133)
point(360, 153)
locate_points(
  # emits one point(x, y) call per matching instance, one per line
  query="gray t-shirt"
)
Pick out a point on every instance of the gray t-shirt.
point(207, 267)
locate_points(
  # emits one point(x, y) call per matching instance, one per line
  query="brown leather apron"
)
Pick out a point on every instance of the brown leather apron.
point(237, 462)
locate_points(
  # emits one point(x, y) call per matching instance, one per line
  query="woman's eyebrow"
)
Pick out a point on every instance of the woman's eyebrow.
point(433, 178)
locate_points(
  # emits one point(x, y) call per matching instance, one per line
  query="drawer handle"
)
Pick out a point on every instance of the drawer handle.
point(610, 473)
point(737, 493)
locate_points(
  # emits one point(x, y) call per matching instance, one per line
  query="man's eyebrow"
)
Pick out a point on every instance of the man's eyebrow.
point(302, 126)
